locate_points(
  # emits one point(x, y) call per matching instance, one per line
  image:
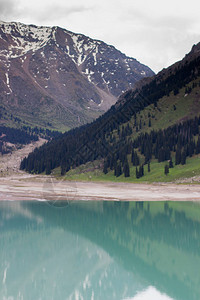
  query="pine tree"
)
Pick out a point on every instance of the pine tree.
point(140, 126)
point(137, 173)
point(149, 122)
point(141, 171)
point(63, 169)
point(126, 169)
point(149, 168)
point(105, 167)
point(161, 155)
point(178, 157)
point(166, 169)
point(198, 146)
point(183, 157)
point(171, 165)
point(48, 168)
point(118, 170)
point(135, 158)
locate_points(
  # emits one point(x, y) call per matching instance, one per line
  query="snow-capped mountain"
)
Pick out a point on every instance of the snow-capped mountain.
point(43, 69)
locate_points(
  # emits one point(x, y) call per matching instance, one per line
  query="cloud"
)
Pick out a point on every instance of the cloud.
point(56, 12)
point(42, 12)
point(7, 7)
point(155, 32)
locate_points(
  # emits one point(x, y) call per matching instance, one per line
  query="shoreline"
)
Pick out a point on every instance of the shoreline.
point(24, 186)
point(16, 185)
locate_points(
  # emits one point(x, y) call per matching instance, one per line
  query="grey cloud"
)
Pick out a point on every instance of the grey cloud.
point(55, 12)
point(142, 18)
point(176, 23)
point(7, 8)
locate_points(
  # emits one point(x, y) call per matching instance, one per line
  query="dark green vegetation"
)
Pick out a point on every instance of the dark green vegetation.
point(135, 131)
point(21, 136)
point(14, 136)
point(29, 116)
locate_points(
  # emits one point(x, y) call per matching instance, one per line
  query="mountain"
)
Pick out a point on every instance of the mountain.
point(52, 77)
point(157, 120)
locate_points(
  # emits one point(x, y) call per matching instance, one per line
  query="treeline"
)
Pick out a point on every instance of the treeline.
point(95, 141)
point(182, 139)
point(23, 136)
point(14, 136)
point(44, 133)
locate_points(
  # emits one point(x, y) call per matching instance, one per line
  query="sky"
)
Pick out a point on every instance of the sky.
point(155, 32)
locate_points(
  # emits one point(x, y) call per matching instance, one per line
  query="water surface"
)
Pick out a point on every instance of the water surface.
point(99, 251)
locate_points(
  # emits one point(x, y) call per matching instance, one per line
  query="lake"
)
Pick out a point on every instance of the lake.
point(99, 250)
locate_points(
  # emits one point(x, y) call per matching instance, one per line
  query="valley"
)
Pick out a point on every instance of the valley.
point(121, 122)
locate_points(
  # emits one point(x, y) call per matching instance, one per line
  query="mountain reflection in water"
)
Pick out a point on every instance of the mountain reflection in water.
point(100, 250)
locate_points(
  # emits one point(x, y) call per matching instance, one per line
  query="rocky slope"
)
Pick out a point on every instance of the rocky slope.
point(51, 76)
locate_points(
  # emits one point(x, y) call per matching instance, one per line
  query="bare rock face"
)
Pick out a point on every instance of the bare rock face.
point(51, 74)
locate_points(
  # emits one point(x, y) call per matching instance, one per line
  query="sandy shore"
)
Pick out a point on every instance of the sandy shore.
point(29, 187)
point(18, 185)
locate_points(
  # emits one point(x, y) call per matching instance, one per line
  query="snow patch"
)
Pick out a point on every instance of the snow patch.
point(102, 75)
point(78, 46)
point(95, 55)
point(100, 103)
point(8, 82)
point(89, 73)
point(21, 45)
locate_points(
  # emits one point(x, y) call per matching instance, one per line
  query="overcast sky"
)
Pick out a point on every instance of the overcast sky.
point(155, 32)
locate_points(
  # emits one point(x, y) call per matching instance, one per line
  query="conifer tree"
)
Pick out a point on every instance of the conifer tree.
point(178, 156)
point(48, 168)
point(118, 169)
point(149, 168)
point(149, 122)
point(105, 167)
point(137, 173)
point(126, 169)
point(140, 126)
point(198, 146)
point(183, 157)
point(63, 169)
point(171, 165)
point(142, 170)
point(135, 158)
point(166, 169)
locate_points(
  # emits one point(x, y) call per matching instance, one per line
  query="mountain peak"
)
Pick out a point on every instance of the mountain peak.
point(71, 69)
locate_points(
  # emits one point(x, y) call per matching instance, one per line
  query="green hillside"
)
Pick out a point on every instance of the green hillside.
point(170, 110)
point(155, 126)
point(44, 115)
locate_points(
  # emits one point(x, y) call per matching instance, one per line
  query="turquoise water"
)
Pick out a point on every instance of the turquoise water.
point(99, 251)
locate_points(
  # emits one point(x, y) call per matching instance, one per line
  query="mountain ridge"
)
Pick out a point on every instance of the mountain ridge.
point(80, 77)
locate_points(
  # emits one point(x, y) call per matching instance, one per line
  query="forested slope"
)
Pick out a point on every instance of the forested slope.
point(120, 133)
